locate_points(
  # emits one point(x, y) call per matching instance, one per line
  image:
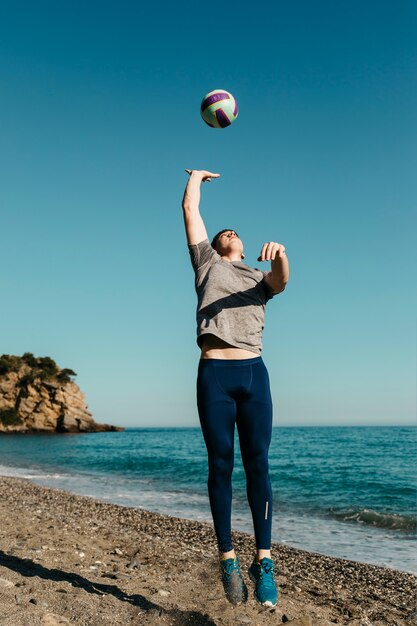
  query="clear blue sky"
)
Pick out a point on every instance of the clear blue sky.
point(99, 117)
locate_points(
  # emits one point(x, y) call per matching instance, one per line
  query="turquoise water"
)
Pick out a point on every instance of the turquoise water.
point(347, 492)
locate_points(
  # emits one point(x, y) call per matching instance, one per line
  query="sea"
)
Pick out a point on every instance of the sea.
point(348, 492)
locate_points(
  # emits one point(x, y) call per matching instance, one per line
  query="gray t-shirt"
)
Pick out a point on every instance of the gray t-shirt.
point(231, 298)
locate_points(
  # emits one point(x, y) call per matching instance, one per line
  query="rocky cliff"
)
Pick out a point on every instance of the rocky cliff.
point(38, 396)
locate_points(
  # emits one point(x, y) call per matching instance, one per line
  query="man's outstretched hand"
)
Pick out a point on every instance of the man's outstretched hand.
point(204, 175)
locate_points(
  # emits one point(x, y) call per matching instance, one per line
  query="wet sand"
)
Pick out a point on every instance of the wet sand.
point(67, 559)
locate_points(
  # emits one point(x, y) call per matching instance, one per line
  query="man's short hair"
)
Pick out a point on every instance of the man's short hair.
point(216, 237)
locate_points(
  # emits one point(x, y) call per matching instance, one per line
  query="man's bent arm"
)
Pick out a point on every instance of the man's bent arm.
point(194, 226)
point(279, 275)
point(280, 272)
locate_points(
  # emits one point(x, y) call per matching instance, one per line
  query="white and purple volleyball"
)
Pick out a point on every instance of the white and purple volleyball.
point(219, 108)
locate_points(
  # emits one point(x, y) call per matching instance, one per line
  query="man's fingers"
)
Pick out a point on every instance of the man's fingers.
point(270, 251)
point(207, 176)
point(266, 251)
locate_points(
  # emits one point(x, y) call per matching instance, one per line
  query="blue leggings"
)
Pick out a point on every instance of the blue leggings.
point(229, 392)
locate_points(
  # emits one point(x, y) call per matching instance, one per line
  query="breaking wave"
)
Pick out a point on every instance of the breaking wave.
point(368, 517)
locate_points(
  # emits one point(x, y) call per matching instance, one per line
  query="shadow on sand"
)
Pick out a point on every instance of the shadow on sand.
point(26, 567)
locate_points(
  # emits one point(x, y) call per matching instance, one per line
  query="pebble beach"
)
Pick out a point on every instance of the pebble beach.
point(68, 559)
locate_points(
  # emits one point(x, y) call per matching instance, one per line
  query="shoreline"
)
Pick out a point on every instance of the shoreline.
point(77, 560)
point(370, 521)
point(141, 501)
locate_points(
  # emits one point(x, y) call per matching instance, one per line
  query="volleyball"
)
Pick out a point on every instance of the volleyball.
point(219, 108)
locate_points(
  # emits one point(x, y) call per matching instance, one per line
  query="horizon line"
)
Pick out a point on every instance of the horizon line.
point(285, 426)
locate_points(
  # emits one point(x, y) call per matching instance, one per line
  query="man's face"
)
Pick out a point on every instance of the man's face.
point(229, 242)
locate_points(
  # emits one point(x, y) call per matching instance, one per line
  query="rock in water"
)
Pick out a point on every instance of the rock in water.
point(38, 396)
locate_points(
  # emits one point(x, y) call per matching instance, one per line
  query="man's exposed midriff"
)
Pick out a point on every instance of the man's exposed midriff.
point(215, 348)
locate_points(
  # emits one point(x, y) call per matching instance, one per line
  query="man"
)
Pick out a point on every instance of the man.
point(233, 383)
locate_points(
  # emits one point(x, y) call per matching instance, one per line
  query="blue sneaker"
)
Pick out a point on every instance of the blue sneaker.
point(232, 579)
point(262, 574)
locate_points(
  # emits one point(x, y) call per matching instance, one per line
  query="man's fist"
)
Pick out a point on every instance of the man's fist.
point(271, 250)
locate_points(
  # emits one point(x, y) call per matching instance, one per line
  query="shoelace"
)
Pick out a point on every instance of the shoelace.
point(268, 570)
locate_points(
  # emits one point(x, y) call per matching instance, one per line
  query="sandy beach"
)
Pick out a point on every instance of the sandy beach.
point(67, 559)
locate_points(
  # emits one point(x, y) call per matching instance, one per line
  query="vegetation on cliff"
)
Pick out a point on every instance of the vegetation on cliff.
point(42, 367)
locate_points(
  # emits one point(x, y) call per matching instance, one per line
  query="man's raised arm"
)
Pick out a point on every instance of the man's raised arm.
point(194, 225)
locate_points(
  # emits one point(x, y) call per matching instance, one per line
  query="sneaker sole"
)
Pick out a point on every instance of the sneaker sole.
point(242, 600)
